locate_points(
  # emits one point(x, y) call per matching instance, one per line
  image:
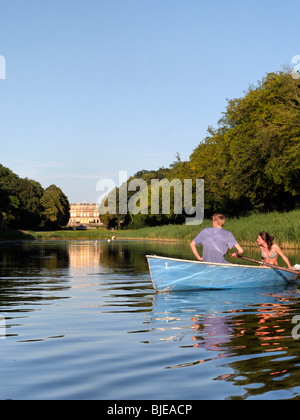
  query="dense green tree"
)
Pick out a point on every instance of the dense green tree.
point(29, 194)
point(20, 200)
point(24, 204)
point(55, 208)
point(263, 139)
point(250, 162)
point(9, 202)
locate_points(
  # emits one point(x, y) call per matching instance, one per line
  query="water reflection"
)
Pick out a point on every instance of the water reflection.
point(30, 273)
point(30, 258)
point(83, 254)
point(252, 331)
point(83, 319)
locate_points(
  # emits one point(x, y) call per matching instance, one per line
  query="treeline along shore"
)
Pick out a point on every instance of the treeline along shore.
point(250, 162)
point(25, 204)
point(285, 227)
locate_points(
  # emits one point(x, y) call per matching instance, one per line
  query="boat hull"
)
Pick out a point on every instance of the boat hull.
point(170, 274)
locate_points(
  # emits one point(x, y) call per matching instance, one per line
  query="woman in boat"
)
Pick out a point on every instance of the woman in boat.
point(269, 250)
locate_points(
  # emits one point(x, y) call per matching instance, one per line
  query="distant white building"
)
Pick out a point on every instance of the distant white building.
point(83, 213)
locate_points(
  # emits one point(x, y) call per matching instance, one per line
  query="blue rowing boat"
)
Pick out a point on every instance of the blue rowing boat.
point(171, 274)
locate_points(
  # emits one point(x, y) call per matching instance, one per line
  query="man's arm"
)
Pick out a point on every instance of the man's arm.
point(195, 252)
point(239, 251)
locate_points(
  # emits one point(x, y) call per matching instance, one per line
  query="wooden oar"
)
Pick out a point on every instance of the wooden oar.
point(270, 265)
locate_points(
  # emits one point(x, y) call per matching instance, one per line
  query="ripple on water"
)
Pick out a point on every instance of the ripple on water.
point(87, 324)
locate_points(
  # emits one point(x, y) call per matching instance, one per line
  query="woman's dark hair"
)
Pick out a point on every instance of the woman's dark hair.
point(267, 238)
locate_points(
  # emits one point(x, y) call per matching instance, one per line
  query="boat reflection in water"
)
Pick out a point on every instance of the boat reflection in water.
point(250, 328)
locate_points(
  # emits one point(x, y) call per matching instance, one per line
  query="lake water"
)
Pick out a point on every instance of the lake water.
point(81, 320)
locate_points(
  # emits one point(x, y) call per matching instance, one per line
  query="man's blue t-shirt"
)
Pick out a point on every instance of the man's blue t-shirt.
point(216, 242)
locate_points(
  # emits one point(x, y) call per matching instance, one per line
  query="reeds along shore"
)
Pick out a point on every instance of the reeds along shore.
point(285, 227)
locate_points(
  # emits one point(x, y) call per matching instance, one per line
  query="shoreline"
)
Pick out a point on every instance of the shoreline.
point(285, 227)
point(63, 236)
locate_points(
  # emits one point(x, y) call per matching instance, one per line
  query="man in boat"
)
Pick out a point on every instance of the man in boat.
point(216, 241)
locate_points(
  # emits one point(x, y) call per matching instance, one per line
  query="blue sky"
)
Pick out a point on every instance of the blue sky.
point(94, 87)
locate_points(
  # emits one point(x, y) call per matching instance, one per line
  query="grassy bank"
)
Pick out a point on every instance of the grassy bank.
point(14, 235)
point(285, 227)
